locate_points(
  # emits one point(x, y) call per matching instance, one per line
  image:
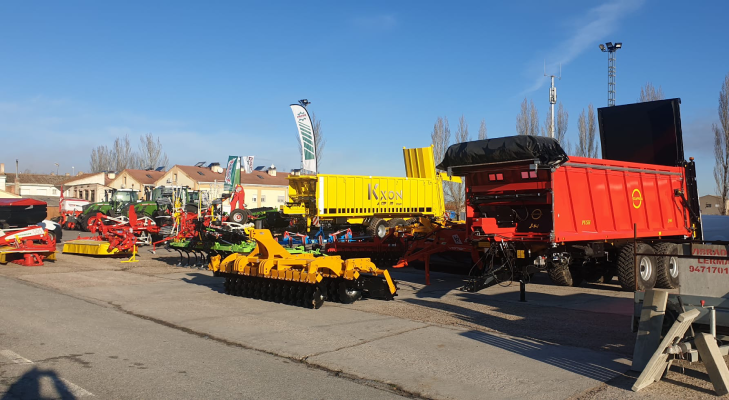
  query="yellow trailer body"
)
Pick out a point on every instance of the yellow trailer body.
point(364, 196)
point(359, 198)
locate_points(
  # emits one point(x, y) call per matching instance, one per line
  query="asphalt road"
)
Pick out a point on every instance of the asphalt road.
point(57, 346)
point(94, 326)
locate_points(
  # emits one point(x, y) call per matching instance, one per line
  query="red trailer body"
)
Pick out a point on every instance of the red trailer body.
point(583, 199)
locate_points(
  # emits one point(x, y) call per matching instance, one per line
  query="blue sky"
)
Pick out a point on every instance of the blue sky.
point(214, 79)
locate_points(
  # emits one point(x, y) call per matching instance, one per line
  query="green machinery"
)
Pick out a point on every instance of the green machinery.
point(117, 200)
point(161, 200)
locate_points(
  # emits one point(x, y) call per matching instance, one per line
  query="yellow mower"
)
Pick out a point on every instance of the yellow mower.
point(272, 273)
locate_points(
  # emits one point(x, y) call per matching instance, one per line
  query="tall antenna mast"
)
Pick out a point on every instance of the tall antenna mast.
point(552, 96)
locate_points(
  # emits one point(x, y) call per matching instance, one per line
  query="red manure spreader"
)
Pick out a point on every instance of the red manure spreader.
point(531, 206)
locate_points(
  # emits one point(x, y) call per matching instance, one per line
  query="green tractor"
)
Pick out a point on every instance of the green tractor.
point(160, 202)
point(116, 204)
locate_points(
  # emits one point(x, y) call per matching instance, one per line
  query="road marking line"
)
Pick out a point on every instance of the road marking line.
point(76, 390)
point(72, 388)
point(15, 357)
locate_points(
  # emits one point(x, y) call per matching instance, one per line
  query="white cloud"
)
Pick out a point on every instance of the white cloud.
point(587, 32)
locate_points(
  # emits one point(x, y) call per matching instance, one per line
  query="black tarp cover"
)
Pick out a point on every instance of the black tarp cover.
point(503, 149)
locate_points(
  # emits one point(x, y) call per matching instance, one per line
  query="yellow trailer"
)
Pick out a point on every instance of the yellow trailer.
point(375, 202)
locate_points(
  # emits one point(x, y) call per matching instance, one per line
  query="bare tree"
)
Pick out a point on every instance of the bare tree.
point(456, 192)
point(649, 93)
point(527, 121)
point(547, 126)
point(587, 145)
point(441, 138)
point(721, 147)
point(123, 155)
point(592, 132)
point(482, 134)
point(150, 153)
point(560, 128)
point(319, 139)
point(101, 159)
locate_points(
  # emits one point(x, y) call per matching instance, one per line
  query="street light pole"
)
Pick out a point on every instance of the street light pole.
point(611, 48)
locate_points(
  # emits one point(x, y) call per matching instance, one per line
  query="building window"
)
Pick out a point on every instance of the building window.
point(125, 180)
point(54, 191)
point(175, 177)
point(253, 198)
point(263, 199)
point(281, 199)
point(708, 205)
point(93, 193)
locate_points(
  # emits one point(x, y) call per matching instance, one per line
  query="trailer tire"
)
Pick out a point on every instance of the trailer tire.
point(396, 222)
point(666, 267)
point(378, 227)
point(646, 267)
point(239, 216)
point(561, 276)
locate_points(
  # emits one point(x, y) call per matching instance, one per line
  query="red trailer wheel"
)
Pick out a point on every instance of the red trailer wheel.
point(646, 267)
point(666, 266)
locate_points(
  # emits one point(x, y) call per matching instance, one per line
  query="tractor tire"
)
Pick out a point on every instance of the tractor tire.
point(561, 276)
point(240, 216)
point(162, 219)
point(646, 267)
point(396, 222)
point(378, 227)
point(81, 223)
point(666, 266)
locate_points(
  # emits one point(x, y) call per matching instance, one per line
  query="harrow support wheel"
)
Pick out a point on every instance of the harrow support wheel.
point(348, 295)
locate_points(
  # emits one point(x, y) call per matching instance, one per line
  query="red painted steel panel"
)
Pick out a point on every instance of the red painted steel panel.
point(590, 199)
point(605, 198)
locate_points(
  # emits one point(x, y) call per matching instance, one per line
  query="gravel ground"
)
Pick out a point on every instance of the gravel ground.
point(595, 317)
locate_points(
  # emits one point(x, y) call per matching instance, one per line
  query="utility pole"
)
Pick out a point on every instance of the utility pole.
point(552, 96)
point(611, 48)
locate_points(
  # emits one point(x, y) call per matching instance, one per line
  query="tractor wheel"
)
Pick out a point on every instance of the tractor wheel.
point(81, 223)
point(239, 216)
point(396, 222)
point(561, 276)
point(378, 227)
point(666, 266)
point(646, 267)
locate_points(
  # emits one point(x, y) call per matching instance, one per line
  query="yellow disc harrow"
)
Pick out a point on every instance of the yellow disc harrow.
point(272, 273)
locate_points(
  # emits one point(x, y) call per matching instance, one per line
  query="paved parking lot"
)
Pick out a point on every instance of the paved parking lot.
point(86, 326)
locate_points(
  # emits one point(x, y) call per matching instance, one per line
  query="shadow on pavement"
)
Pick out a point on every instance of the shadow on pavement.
point(212, 282)
point(563, 326)
point(575, 362)
point(28, 386)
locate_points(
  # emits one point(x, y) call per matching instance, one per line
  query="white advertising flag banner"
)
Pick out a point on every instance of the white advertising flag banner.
point(248, 164)
point(306, 135)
